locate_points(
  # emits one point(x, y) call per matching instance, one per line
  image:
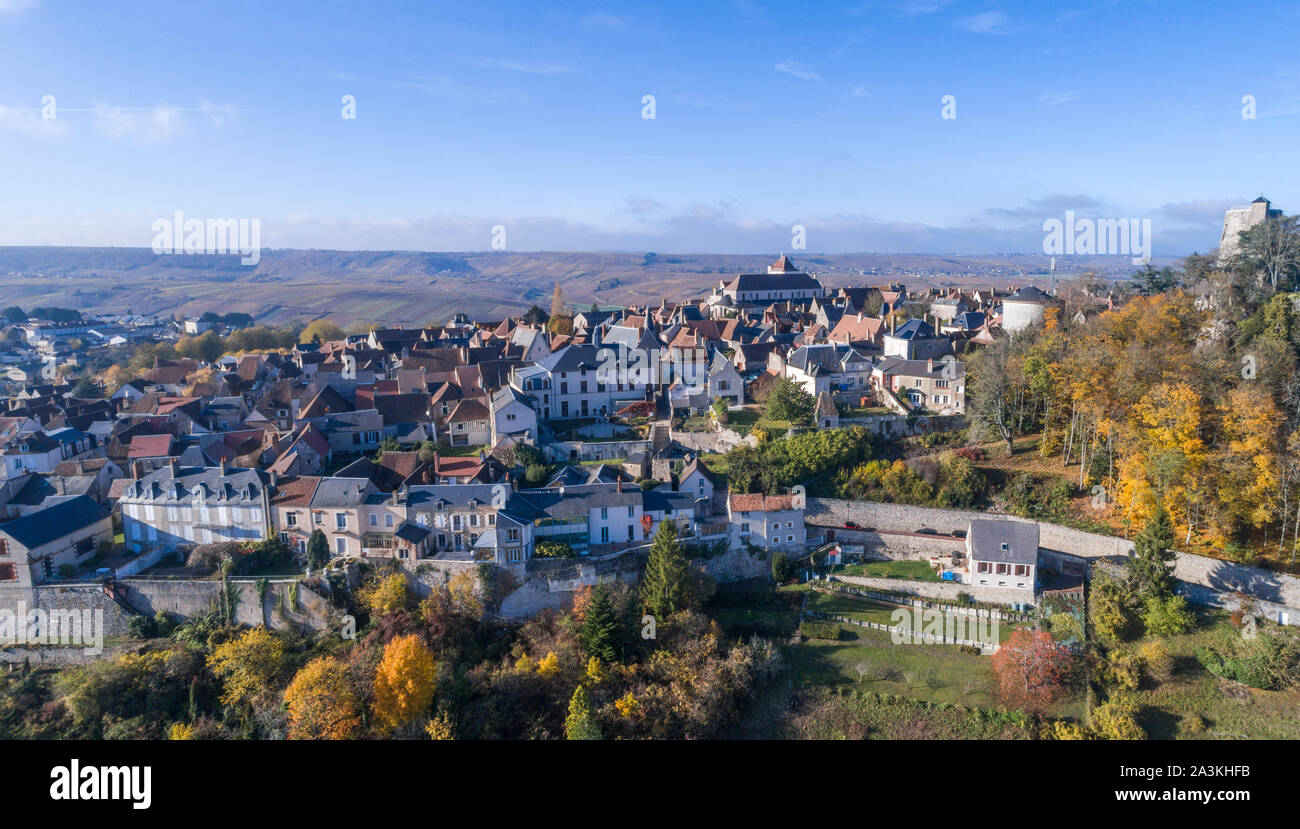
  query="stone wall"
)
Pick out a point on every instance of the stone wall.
point(942, 590)
point(549, 584)
point(1206, 580)
point(82, 596)
point(187, 598)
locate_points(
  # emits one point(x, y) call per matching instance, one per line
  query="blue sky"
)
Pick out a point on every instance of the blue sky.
point(528, 115)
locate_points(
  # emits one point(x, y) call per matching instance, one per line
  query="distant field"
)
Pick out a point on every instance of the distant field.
point(414, 288)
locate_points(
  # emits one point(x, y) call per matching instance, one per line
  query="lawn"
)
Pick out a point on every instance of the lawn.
point(696, 423)
point(746, 419)
point(461, 451)
point(752, 607)
point(843, 604)
point(935, 674)
point(866, 610)
point(742, 421)
point(913, 570)
point(1230, 711)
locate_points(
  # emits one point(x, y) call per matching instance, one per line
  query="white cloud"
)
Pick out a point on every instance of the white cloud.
point(219, 115)
point(985, 23)
point(30, 122)
point(799, 70)
point(860, 92)
point(1054, 98)
point(527, 67)
point(159, 123)
point(603, 19)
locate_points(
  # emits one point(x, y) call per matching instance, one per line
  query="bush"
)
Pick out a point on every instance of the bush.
point(1157, 662)
point(1270, 661)
point(162, 622)
point(1167, 616)
point(820, 630)
point(1116, 719)
point(553, 549)
point(141, 627)
point(782, 570)
point(1123, 670)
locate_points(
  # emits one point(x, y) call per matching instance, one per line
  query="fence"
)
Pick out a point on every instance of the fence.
point(908, 600)
point(906, 632)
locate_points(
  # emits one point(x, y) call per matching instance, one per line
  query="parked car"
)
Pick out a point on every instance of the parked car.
point(850, 525)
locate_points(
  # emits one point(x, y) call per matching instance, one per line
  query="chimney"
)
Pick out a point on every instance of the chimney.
point(424, 475)
point(222, 466)
point(619, 484)
point(175, 464)
point(929, 366)
point(135, 469)
point(275, 478)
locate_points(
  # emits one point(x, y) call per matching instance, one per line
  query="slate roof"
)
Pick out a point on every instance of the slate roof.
point(55, 522)
point(988, 537)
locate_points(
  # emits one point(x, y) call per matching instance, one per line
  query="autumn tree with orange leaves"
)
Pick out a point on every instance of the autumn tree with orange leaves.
point(1033, 669)
point(321, 702)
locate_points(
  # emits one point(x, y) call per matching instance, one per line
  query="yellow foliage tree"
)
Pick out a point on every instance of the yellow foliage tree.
point(247, 665)
point(404, 682)
point(548, 665)
point(464, 591)
point(321, 702)
point(387, 595)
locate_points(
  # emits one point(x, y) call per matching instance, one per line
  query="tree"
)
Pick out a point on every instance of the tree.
point(1167, 615)
point(1109, 603)
point(206, 347)
point(1158, 281)
point(386, 595)
point(789, 401)
point(87, 389)
point(663, 586)
point(991, 403)
point(1033, 669)
point(1273, 246)
point(319, 331)
point(559, 308)
point(1150, 570)
point(404, 682)
point(318, 550)
point(600, 632)
point(782, 571)
point(247, 664)
point(581, 723)
point(1116, 719)
point(321, 702)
